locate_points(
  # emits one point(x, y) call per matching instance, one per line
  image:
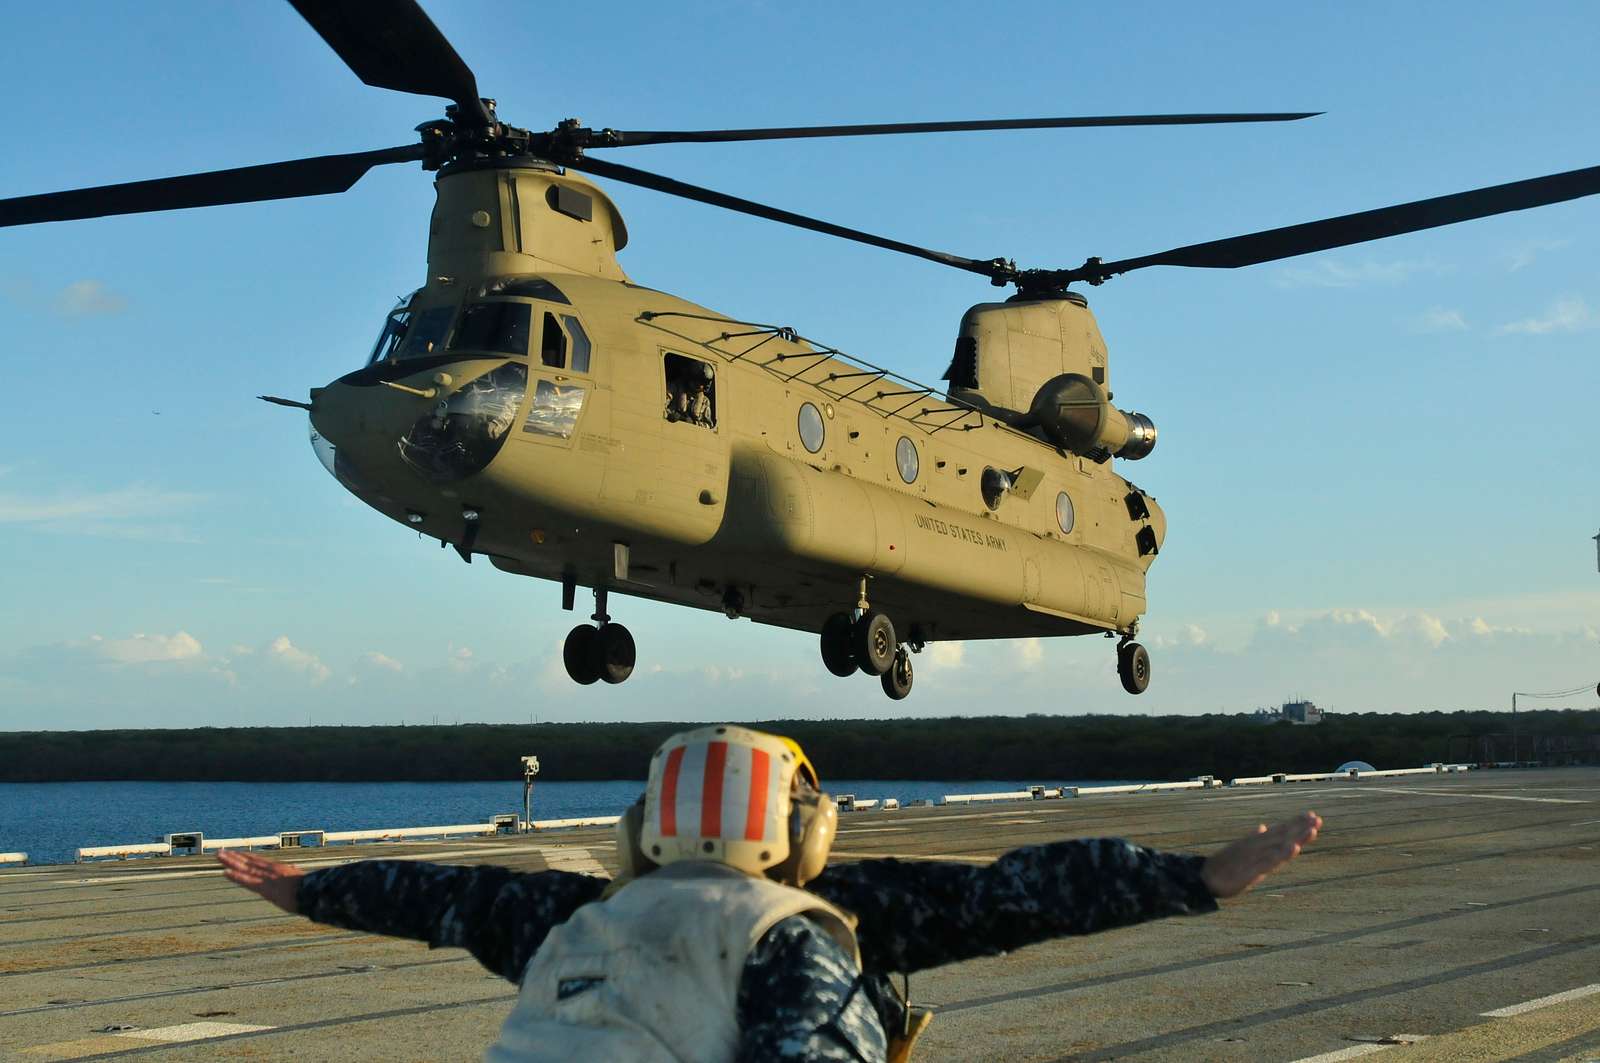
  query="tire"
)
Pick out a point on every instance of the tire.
point(875, 643)
point(614, 653)
point(578, 654)
point(838, 654)
point(897, 680)
point(1133, 668)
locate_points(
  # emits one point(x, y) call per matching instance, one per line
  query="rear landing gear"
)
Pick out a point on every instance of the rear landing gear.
point(603, 651)
point(868, 644)
point(897, 680)
point(1133, 667)
point(837, 645)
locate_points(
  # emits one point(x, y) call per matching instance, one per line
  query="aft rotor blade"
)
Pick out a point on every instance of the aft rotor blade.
point(625, 138)
point(247, 184)
point(644, 179)
point(395, 45)
point(1293, 240)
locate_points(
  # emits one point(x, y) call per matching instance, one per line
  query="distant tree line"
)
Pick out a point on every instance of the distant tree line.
point(1036, 747)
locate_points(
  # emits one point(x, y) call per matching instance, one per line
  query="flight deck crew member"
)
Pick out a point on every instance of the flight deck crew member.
point(707, 948)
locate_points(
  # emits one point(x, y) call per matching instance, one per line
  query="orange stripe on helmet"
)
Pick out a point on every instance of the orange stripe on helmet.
point(669, 793)
point(711, 793)
point(755, 819)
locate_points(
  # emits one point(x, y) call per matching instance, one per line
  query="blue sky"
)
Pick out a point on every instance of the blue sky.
point(1378, 463)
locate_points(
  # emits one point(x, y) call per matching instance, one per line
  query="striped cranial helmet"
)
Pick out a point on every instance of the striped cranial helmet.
point(728, 795)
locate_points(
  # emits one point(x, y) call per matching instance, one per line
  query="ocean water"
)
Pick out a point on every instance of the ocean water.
point(50, 821)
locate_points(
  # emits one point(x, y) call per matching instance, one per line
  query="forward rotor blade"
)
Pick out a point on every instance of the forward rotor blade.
point(1292, 240)
point(247, 184)
point(395, 45)
point(625, 138)
point(644, 179)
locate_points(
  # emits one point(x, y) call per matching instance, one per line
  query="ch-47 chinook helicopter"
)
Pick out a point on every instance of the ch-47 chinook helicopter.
point(532, 404)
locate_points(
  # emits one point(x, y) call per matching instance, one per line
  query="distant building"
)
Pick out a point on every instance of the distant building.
point(1304, 713)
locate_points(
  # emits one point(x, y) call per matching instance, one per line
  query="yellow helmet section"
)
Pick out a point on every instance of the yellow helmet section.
point(802, 762)
point(722, 794)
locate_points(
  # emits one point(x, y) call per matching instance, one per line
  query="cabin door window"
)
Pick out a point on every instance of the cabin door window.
point(691, 390)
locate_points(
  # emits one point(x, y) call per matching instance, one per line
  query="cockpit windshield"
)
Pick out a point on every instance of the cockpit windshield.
point(500, 327)
point(409, 334)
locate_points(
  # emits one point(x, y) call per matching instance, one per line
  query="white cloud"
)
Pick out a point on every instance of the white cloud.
point(945, 655)
point(1188, 635)
point(1331, 273)
point(1524, 256)
point(123, 503)
point(1568, 314)
point(381, 661)
point(1440, 319)
point(287, 655)
point(148, 649)
point(89, 298)
point(1030, 653)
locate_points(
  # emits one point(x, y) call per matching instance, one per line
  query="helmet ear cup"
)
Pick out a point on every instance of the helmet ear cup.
point(629, 853)
point(816, 840)
point(814, 820)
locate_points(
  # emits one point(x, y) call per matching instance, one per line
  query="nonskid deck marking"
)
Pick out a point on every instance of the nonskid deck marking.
point(1300, 1009)
point(322, 1024)
point(1338, 937)
point(224, 987)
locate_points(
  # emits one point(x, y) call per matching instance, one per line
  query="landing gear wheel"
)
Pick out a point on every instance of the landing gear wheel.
point(578, 654)
point(613, 652)
point(875, 643)
point(838, 653)
point(1133, 667)
point(897, 680)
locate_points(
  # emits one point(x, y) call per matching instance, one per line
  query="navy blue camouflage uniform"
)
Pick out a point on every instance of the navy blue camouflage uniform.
point(800, 997)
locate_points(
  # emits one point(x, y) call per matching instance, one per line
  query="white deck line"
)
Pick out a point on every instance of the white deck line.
point(192, 1031)
point(1481, 797)
point(1542, 1002)
point(1353, 1052)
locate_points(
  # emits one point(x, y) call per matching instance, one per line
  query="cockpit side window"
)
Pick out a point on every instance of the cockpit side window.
point(500, 327)
point(580, 344)
point(552, 344)
point(558, 339)
point(393, 334)
point(691, 390)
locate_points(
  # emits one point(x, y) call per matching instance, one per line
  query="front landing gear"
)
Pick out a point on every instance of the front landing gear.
point(604, 651)
point(1133, 667)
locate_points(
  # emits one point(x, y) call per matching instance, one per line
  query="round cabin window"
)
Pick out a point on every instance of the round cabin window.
point(905, 458)
point(811, 430)
point(1064, 513)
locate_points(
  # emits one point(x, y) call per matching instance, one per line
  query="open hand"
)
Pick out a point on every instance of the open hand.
point(1233, 869)
point(276, 882)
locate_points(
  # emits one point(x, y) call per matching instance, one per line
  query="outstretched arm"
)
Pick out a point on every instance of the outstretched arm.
point(919, 914)
point(499, 915)
point(1230, 871)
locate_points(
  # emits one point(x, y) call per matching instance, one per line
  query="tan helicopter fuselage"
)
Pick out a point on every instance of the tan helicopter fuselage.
point(606, 473)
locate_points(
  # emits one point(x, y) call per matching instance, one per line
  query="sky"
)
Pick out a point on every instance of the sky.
point(1377, 463)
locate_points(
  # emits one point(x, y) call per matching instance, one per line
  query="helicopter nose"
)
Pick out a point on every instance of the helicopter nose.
point(354, 428)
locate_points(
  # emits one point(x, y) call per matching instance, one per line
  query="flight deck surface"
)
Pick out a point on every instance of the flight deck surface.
point(1434, 920)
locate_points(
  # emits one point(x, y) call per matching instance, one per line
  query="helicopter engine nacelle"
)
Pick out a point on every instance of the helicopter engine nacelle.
point(1073, 412)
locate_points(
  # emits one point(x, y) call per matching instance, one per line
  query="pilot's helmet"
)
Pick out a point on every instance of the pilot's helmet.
point(733, 796)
